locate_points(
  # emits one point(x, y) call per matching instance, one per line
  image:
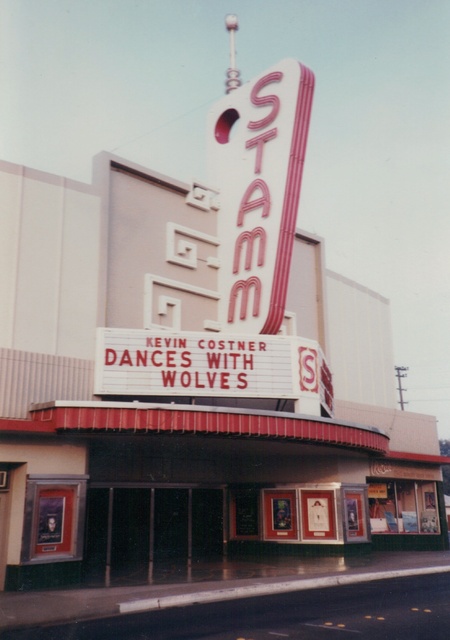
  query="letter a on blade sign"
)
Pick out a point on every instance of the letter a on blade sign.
point(256, 149)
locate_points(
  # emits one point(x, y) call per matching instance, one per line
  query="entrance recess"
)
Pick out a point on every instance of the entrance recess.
point(130, 529)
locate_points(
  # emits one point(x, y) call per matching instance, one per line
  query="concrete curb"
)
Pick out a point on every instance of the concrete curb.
point(217, 595)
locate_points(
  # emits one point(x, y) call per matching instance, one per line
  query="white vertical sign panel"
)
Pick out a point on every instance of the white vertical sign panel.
point(257, 138)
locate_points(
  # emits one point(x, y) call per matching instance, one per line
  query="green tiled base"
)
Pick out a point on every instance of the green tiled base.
point(42, 576)
point(253, 548)
point(409, 542)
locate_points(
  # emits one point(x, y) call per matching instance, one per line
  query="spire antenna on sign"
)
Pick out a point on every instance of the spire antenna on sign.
point(233, 79)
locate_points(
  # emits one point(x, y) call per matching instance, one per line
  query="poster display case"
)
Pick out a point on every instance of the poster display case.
point(355, 515)
point(280, 515)
point(318, 512)
point(54, 519)
point(331, 513)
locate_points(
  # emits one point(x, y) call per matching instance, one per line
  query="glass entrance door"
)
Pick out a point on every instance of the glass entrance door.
point(207, 523)
point(130, 539)
point(171, 524)
point(130, 530)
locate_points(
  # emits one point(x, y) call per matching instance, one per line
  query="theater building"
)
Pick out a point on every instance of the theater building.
point(182, 377)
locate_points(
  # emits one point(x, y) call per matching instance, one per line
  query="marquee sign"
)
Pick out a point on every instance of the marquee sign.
point(148, 363)
point(257, 139)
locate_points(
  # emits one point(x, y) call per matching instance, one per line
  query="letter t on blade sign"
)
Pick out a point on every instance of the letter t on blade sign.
point(257, 138)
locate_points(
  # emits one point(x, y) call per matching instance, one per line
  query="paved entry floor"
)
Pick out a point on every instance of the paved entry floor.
point(223, 569)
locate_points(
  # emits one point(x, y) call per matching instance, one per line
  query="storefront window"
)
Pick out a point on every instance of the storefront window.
point(407, 508)
point(382, 508)
point(403, 506)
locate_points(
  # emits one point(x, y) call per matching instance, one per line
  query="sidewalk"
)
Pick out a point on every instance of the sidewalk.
point(208, 582)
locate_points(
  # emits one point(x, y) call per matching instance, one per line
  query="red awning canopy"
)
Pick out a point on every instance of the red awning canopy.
point(128, 418)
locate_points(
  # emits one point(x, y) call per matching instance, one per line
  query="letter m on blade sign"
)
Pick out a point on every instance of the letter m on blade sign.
point(257, 139)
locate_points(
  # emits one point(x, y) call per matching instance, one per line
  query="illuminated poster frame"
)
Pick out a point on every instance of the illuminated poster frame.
point(318, 515)
point(54, 519)
point(280, 515)
point(355, 515)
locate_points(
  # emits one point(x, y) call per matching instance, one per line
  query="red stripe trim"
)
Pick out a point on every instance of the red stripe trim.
point(418, 457)
point(25, 426)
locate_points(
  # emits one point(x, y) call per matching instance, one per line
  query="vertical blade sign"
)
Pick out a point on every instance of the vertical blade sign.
point(257, 141)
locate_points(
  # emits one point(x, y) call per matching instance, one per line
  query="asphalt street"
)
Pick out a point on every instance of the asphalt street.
point(412, 608)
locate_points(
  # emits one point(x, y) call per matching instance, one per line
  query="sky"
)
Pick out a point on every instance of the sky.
point(138, 77)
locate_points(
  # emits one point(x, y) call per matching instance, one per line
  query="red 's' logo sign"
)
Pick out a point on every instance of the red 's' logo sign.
point(308, 366)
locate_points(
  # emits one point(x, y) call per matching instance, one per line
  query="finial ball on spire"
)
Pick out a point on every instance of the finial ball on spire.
point(233, 81)
point(231, 22)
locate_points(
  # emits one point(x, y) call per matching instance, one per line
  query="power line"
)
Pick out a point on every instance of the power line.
point(430, 399)
point(429, 388)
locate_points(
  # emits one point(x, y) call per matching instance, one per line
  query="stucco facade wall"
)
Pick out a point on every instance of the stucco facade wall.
point(49, 246)
point(360, 348)
point(408, 432)
point(36, 456)
point(306, 296)
point(150, 229)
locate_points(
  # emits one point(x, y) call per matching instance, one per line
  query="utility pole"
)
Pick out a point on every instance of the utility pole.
point(400, 372)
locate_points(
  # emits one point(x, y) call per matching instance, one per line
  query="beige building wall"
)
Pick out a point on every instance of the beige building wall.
point(306, 296)
point(49, 246)
point(161, 260)
point(353, 469)
point(408, 432)
point(43, 456)
point(360, 348)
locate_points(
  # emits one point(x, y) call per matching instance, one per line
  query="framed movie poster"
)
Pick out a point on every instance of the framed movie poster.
point(318, 515)
point(354, 514)
point(280, 515)
point(54, 519)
